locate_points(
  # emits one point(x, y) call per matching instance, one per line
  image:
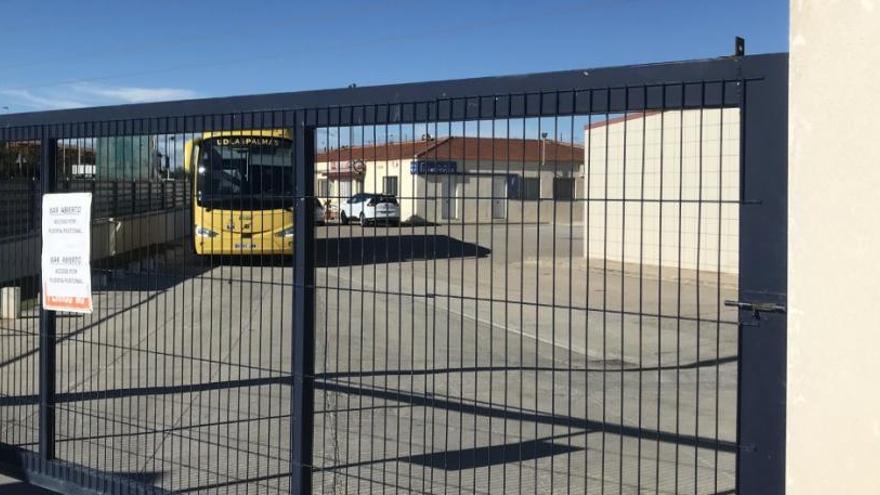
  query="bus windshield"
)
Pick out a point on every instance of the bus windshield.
point(245, 172)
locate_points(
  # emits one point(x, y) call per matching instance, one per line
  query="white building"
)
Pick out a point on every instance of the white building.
point(663, 190)
point(461, 178)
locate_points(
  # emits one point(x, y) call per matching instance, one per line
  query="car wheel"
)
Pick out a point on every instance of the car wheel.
point(343, 218)
point(363, 220)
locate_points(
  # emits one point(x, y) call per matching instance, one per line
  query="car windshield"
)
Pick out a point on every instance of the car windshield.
point(245, 172)
point(382, 199)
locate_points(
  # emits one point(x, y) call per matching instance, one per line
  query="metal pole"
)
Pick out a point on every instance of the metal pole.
point(35, 205)
point(303, 396)
point(47, 324)
point(763, 282)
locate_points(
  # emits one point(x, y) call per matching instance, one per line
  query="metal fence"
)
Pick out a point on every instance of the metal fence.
point(120, 198)
point(540, 309)
point(19, 199)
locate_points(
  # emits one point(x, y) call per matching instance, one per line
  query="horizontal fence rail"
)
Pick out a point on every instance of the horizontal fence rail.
point(505, 285)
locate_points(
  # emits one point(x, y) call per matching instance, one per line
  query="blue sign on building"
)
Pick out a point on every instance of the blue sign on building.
point(432, 167)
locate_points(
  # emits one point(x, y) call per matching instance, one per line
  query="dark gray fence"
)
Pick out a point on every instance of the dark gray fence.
point(578, 287)
point(118, 198)
point(17, 200)
point(18, 197)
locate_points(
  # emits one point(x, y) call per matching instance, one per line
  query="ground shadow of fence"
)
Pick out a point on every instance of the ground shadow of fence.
point(366, 250)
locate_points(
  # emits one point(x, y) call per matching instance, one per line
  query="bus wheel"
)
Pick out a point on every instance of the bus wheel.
point(343, 218)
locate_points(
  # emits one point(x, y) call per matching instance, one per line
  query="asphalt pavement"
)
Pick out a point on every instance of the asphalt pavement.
point(473, 359)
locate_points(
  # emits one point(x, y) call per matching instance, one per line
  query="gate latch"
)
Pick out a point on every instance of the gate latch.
point(757, 307)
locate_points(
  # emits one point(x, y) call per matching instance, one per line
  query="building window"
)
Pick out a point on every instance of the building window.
point(529, 189)
point(523, 188)
point(323, 188)
point(563, 188)
point(389, 185)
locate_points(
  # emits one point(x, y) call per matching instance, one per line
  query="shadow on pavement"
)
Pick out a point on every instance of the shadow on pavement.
point(366, 250)
point(22, 488)
point(478, 457)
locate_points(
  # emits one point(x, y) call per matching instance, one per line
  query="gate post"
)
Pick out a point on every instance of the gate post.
point(763, 278)
point(47, 320)
point(303, 366)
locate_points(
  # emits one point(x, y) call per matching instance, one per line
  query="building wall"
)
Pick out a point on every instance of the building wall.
point(833, 417)
point(422, 196)
point(663, 189)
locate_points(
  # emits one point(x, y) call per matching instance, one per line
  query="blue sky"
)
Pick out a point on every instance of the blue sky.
point(60, 54)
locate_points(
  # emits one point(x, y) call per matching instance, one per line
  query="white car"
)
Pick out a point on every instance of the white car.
point(319, 214)
point(369, 208)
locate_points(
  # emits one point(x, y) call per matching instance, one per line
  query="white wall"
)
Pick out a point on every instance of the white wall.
point(686, 166)
point(834, 240)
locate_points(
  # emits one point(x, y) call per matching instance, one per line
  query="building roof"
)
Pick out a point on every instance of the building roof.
point(619, 119)
point(485, 149)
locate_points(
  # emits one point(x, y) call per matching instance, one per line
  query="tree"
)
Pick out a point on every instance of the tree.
point(19, 159)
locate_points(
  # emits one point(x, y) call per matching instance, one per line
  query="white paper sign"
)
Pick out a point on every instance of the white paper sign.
point(66, 257)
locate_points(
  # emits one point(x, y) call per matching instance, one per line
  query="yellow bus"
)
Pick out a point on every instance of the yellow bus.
point(242, 192)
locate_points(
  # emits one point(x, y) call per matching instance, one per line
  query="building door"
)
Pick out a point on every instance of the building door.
point(499, 197)
point(344, 190)
point(449, 203)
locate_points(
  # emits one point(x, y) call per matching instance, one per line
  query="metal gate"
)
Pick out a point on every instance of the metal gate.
point(609, 319)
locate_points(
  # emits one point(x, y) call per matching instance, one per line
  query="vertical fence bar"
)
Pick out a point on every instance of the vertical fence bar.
point(47, 323)
point(763, 265)
point(303, 396)
point(34, 202)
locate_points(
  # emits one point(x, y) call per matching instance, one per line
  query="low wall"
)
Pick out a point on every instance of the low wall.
point(20, 256)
